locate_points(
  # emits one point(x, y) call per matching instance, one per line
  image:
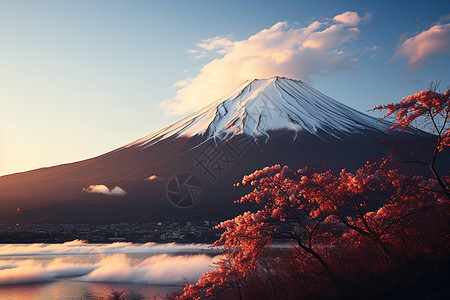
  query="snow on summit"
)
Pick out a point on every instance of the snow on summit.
point(267, 105)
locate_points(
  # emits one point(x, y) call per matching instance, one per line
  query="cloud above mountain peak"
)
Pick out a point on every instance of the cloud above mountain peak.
point(284, 49)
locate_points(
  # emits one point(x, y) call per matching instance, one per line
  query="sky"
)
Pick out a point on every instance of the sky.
point(82, 78)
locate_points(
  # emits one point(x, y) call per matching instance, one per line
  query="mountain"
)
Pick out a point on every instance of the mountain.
point(186, 171)
point(264, 106)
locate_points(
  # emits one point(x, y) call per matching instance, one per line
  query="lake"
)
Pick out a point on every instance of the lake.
point(78, 270)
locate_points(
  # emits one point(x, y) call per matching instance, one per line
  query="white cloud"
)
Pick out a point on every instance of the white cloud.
point(352, 18)
point(163, 264)
point(26, 272)
point(371, 49)
point(102, 189)
point(78, 247)
point(328, 38)
point(160, 269)
point(282, 50)
point(423, 47)
point(218, 44)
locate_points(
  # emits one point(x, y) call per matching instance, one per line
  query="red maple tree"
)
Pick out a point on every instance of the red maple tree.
point(429, 110)
point(372, 217)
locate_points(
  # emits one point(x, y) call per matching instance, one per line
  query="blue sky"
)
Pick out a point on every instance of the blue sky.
point(81, 78)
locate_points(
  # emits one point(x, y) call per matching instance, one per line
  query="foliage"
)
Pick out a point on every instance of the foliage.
point(123, 295)
point(347, 228)
point(428, 104)
point(428, 110)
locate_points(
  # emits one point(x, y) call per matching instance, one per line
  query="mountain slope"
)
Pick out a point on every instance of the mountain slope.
point(186, 171)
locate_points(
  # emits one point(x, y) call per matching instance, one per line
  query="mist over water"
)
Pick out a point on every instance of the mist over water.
point(77, 270)
point(82, 247)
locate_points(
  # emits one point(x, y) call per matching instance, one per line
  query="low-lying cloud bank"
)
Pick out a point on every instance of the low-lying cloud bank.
point(161, 269)
point(81, 247)
point(164, 264)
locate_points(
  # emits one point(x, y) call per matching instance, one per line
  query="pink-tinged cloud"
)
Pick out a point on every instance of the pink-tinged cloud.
point(422, 48)
point(282, 50)
point(103, 189)
point(352, 18)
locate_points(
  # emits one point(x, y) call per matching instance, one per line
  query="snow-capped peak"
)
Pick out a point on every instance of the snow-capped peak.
point(267, 105)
